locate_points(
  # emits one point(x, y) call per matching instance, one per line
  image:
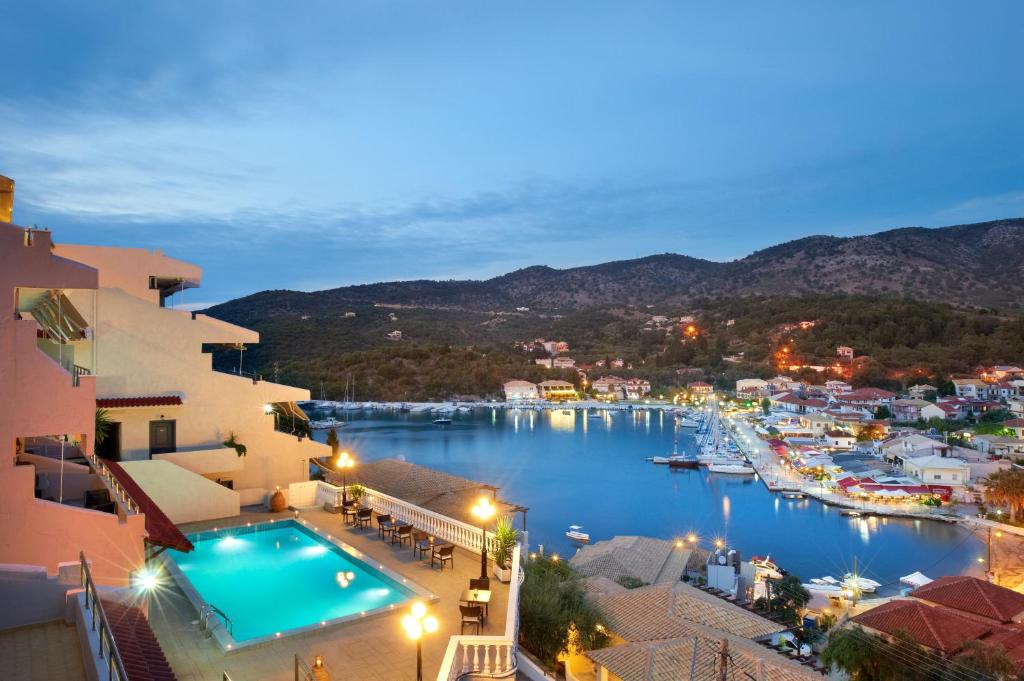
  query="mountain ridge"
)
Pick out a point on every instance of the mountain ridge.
point(974, 265)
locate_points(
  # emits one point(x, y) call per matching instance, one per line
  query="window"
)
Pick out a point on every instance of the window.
point(937, 476)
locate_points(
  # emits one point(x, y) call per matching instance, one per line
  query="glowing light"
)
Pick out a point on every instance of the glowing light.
point(147, 580)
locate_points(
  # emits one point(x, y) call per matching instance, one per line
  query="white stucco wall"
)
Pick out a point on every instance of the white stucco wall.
point(183, 495)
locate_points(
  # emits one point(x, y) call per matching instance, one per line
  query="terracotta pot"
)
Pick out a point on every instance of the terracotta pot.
point(277, 502)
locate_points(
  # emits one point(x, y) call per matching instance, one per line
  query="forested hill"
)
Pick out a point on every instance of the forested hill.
point(977, 265)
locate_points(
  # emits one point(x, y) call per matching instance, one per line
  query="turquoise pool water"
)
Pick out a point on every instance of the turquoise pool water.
point(273, 578)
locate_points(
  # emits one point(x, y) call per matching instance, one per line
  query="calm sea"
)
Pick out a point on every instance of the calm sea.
point(573, 469)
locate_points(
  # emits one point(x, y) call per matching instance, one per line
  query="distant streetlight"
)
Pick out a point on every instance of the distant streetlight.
point(344, 462)
point(416, 624)
point(483, 510)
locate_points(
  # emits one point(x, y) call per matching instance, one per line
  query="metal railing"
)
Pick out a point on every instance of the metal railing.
point(115, 666)
point(77, 372)
point(207, 610)
point(120, 493)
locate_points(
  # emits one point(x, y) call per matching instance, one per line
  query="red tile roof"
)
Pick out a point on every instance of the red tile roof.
point(868, 394)
point(1014, 423)
point(973, 595)
point(152, 401)
point(159, 527)
point(141, 653)
point(935, 628)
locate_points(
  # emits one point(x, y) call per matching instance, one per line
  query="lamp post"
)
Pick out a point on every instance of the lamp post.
point(417, 623)
point(483, 510)
point(344, 462)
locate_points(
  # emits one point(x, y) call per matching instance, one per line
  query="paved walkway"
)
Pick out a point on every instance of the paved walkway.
point(371, 650)
point(41, 652)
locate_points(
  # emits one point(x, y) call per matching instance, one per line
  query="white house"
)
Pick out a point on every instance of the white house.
point(520, 390)
point(751, 387)
point(840, 439)
point(835, 387)
point(563, 363)
point(938, 470)
point(971, 388)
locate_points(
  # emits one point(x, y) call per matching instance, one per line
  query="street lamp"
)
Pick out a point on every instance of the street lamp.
point(416, 624)
point(483, 510)
point(344, 462)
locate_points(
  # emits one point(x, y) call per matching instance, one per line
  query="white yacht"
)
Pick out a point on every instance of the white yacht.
point(576, 534)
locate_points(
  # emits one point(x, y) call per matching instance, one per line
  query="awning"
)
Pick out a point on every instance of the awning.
point(58, 317)
point(148, 401)
point(915, 579)
point(291, 409)
point(159, 527)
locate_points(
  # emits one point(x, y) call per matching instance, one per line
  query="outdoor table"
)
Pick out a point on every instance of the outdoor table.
point(480, 597)
point(349, 511)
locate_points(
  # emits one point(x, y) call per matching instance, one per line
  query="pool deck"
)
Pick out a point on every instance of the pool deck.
point(375, 649)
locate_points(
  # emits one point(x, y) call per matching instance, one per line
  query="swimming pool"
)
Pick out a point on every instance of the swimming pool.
point(283, 577)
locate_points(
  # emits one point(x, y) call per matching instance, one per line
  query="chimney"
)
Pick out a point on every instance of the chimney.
point(6, 199)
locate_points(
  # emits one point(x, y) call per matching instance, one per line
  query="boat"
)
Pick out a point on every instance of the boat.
point(915, 579)
point(659, 459)
point(443, 421)
point(567, 412)
point(329, 422)
point(731, 468)
point(595, 415)
point(576, 534)
point(860, 583)
point(823, 588)
point(827, 579)
point(683, 461)
point(766, 566)
point(688, 423)
point(793, 495)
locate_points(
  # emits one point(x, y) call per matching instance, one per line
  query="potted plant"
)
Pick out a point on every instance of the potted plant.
point(505, 538)
point(357, 491)
point(234, 444)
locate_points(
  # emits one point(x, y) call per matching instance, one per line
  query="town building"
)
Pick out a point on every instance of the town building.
point(557, 390)
point(867, 397)
point(563, 363)
point(971, 388)
point(520, 390)
point(749, 388)
point(637, 388)
point(947, 614)
point(909, 410)
point(700, 388)
point(395, 335)
point(844, 352)
point(836, 387)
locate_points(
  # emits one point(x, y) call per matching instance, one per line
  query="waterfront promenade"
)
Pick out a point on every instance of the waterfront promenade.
point(780, 478)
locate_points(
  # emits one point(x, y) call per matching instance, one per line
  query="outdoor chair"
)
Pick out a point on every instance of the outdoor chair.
point(385, 525)
point(420, 544)
point(443, 554)
point(364, 517)
point(471, 614)
point(402, 534)
point(483, 584)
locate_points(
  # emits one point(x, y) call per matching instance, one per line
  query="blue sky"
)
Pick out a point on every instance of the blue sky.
point(316, 144)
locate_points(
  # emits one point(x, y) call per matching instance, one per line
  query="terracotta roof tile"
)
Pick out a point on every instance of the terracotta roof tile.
point(150, 401)
point(973, 595)
point(936, 628)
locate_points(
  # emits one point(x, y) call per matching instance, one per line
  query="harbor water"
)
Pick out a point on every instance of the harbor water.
point(582, 469)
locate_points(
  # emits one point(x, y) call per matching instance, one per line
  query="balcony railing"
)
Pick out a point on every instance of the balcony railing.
point(119, 492)
point(481, 656)
point(107, 645)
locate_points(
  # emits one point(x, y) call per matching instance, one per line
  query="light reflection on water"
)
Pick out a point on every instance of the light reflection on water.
point(569, 473)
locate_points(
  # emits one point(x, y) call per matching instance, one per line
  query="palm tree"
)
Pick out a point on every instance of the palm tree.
point(1006, 488)
point(103, 425)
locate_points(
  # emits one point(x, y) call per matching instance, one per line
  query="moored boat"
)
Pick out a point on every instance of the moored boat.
point(576, 534)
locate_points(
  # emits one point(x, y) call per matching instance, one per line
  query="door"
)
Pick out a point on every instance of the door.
point(110, 448)
point(161, 437)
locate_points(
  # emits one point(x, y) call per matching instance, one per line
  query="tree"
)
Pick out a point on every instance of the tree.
point(788, 598)
point(882, 412)
point(867, 657)
point(332, 441)
point(766, 406)
point(989, 661)
point(1006, 488)
point(555, 613)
